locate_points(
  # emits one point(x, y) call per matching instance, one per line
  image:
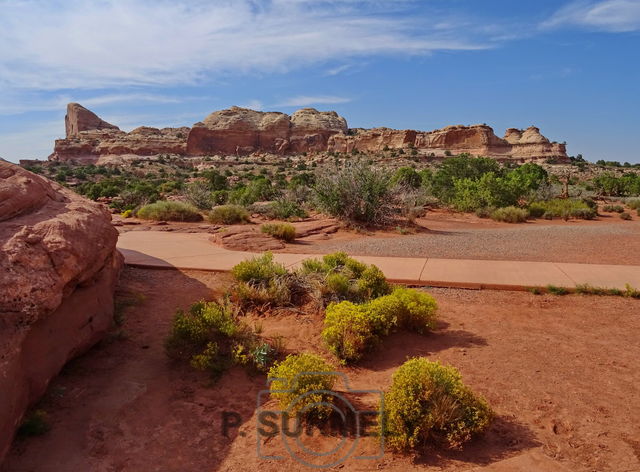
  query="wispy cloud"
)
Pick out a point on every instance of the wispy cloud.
point(616, 16)
point(11, 104)
point(307, 100)
point(83, 44)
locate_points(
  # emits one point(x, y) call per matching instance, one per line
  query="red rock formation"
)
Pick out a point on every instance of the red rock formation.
point(242, 131)
point(477, 140)
point(79, 119)
point(58, 269)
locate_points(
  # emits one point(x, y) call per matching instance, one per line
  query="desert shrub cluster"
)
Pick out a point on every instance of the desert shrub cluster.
point(228, 215)
point(169, 211)
point(211, 337)
point(510, 214)
point(350, 330)
point(299, 382)
point(564, 208)
point(429, 403)
point(284, 231)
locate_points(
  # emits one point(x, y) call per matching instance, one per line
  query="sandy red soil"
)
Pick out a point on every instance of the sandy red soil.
point(560, 372)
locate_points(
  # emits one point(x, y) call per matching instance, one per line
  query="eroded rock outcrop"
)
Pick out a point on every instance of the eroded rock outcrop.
point(58, 270)
point(240, 131)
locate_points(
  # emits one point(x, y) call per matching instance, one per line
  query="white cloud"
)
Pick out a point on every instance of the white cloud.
point(20, 103)
point(84, 44)
point(307, 100)
point(616, 16)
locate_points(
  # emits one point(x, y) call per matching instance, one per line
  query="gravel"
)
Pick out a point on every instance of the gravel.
point(594, 244)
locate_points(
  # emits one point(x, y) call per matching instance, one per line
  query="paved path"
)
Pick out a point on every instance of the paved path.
point(156, 249)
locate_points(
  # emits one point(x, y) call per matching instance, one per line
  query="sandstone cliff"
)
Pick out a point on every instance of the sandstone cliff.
point(239, 131)
point(58, 269)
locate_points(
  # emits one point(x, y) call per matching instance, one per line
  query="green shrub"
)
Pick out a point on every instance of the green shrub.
point(428, 402)
point(259, 189)
point(358, 194)
point(199, 195)
point(484, 212)
point(554, 290)
point(169, 211)
point(298, 382)
point(210, 337)
point(537, 210)
point(350, 330)
point(228, 215)
point(510, 214)
point(564, 208)
point(634, 204)
point(127, 214)
point(339, 277)
point(625, 216)
point(286, 210)
point(613, 208)
point(259, 269)
point(283, 231)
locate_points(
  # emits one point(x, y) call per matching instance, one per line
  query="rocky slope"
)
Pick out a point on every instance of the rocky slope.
point(58, 269)
point(240, 131)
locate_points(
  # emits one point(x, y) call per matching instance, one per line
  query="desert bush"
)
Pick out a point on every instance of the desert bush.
point(339, 277)
point(350, 330)
point(169, 211)
point(211, 338)
point(537, 210)
point(625, 216)
point(428, 402)
point(298, 384)
point(407, 177)
point(199, 195)
point(358, 194)
point(564, 208)
point(258, 270)
point(510, 214)
point(484, 212)
point(283, 209)
point(613, 208)
point(260, 189)
point(228, 215)
point(283, 231)
point(634, 204)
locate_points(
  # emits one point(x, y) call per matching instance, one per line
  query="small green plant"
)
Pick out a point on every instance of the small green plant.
point(35, 423)
point(428, 402)
point(613, 208)
point(634, 204)
point(625, 216)
point(554, 290)
point(228, 215)
point(565, 208)
point(284, 231)
point(211, 338)
point(357, 282)
point(259, 269)
point(127, 214)
point(510, 214)
point(169, 211)
point(283, 209)
point(301, 383)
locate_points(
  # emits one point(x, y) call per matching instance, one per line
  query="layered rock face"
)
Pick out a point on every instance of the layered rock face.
point(243, 131)
point(477, 140)
point(58, 270)
point(89, 137)
point(240, 131)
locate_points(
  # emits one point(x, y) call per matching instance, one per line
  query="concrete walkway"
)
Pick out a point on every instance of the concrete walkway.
point(167, 250)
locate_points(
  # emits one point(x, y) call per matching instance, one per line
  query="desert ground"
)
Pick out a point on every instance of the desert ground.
point(450, 235)
point(560, 372)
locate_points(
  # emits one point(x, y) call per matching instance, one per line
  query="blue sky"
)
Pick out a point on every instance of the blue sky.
point(571, 68)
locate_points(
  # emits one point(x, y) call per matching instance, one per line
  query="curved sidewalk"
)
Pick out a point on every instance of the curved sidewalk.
point(168, 250)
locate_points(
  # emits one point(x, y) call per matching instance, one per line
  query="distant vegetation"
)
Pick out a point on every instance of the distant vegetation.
point(390, 188)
